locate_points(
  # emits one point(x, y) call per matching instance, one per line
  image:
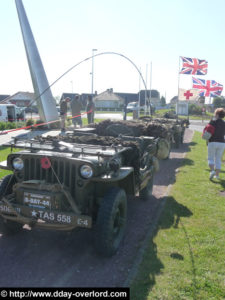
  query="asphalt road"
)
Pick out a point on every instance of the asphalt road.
point(113, 116)
point(197, 125)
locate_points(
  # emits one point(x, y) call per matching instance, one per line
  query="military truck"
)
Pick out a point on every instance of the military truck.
point(77, 180)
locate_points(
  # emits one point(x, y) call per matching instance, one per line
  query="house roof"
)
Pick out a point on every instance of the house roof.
point(174, 100)
point(128, 97)
point(83, 97)
point(2, 97)
point(70, 95)
point(154, 94)
point(108, 95)
point(20, 96)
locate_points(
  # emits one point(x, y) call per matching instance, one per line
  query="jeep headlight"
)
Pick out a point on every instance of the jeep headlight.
point(86, 171)
point(18, 163)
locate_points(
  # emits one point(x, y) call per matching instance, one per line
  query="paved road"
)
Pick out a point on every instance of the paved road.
point(197, 125)
point(113, 116)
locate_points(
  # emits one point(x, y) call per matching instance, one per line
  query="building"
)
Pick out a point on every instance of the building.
point(115, 100)
point(128, 97)
point(108, 100)
point(174, 100)
point(153, 95)
point(2, 97)
point(20, 99)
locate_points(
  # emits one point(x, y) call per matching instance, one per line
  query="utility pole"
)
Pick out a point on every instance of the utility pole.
point(146, 80)
point(92, 73)
point(150, 93)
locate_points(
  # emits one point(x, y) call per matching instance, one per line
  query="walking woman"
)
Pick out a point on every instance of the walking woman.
point(216, 144)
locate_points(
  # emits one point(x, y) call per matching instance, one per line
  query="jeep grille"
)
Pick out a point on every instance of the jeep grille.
point(64, 170)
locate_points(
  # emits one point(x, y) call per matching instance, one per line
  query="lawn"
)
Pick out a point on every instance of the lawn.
point(185, 259)
point(4, 152)
point(161, 112)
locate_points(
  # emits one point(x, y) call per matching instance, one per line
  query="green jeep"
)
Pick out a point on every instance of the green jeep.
point(79, 180)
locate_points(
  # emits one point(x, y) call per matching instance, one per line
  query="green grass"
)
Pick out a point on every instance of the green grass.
point(161, 112)
point(85, 122)
point(4, 152)
point(186, 257)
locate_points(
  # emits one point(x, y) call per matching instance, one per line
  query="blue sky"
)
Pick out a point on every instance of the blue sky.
point(157, 31)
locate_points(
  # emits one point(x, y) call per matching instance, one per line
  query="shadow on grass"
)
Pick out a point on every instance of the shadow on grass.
point(3, 148)
point(220, 182)
point(171, 216)
point(185, 147)
point(171, 165)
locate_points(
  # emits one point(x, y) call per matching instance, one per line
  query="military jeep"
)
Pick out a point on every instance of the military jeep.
point(77, 180)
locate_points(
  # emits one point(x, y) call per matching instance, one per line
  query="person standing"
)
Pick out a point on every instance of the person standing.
point(63, 112)
point(76, 107)
point(90, 109)
point(216, 144)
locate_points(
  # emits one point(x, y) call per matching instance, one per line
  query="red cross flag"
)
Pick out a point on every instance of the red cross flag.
point(187, 95)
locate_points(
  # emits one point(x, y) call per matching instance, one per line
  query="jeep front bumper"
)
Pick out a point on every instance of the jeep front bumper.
point(44, 218)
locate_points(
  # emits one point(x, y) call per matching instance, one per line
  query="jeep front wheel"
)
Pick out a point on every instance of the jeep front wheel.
point(111, 221)
point(146, 192)
point(8, 226)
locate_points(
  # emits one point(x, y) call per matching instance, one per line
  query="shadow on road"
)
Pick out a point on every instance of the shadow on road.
point(171, 165)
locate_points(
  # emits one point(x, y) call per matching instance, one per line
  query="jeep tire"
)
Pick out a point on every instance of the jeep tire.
point(111, 222)
point(146, 192)
point(8, 226)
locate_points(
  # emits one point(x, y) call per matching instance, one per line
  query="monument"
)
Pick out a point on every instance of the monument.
point(45, 101)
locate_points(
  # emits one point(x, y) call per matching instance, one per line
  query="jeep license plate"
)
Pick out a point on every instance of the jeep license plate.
point(37, 200)
point(50, 216)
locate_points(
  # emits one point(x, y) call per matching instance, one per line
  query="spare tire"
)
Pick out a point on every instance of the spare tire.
point(163, 149)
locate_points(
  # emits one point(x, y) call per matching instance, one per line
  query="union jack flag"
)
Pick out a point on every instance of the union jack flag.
point(194, 66)
point(208, 88)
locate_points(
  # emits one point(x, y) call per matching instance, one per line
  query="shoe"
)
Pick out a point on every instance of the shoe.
point(211, 175)
point(217, 177)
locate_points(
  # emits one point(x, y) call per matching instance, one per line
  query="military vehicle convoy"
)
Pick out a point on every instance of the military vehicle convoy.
point(81, 179)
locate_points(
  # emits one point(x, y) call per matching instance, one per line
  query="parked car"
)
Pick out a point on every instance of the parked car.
point(58, 110)
point(8, 112)
point(31, 109)
point(134, 106)
point(20, 113)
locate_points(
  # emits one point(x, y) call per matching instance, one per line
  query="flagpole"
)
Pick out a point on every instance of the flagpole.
point(178, 86)
point(178, 79)
point(146, 80)
point(150, 92)
point(139, 96)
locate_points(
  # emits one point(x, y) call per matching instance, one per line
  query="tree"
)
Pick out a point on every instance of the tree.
point(201, 99)
point(194, 109)
point(163, 101)
point(217, 102)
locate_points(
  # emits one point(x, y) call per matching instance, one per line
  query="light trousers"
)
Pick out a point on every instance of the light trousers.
point(215, 152)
